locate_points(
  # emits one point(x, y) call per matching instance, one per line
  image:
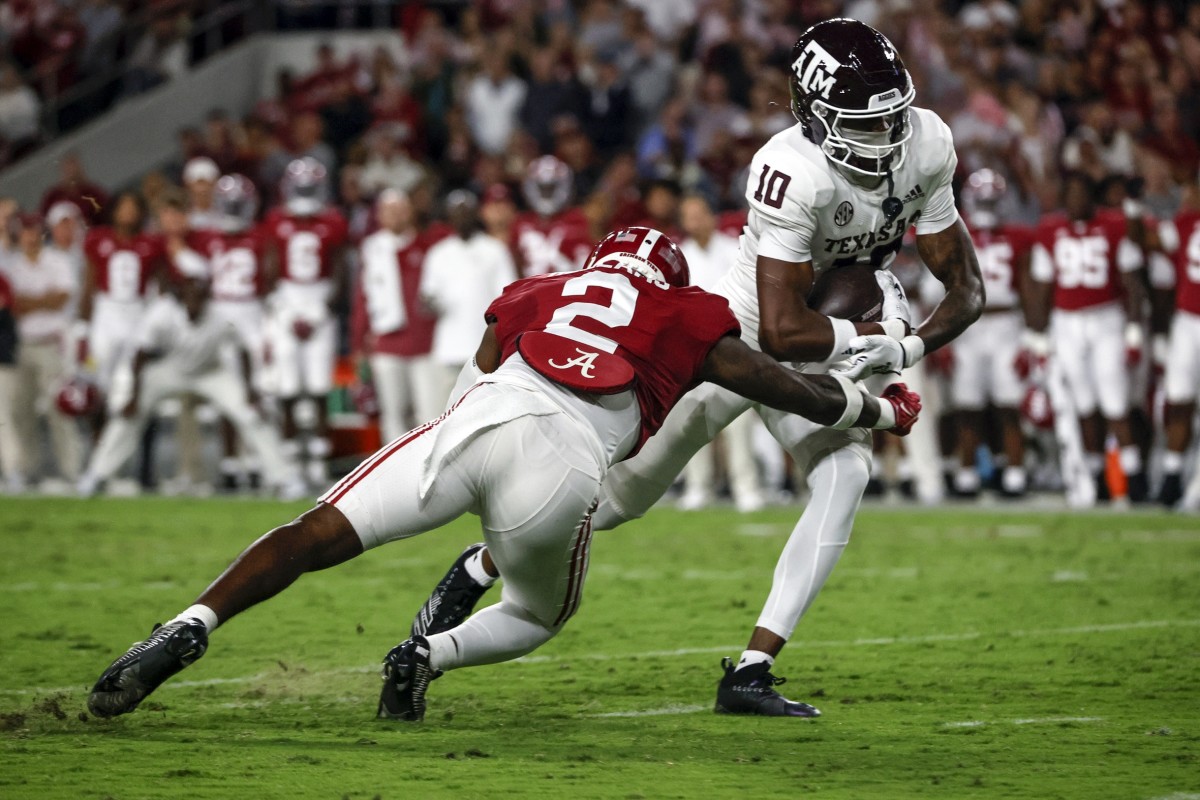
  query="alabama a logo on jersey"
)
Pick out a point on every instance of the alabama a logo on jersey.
point(815, 68)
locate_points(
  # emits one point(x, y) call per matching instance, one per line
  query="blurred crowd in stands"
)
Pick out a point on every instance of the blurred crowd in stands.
point(539, 125)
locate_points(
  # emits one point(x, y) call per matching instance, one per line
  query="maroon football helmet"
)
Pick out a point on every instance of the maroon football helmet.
point(78, 397)
point(237, 200)
point(547, 186)
point(305, 187)
point(642, 251)
point(981, 196)
point(851, 93)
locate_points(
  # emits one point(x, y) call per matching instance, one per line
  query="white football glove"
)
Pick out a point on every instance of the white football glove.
point(895, 303)
point(870, 355)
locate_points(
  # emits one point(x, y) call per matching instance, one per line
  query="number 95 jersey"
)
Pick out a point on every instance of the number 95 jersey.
point(603, 330)
point(802, 208)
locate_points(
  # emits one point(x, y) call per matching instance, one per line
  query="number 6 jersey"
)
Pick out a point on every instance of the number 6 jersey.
point(803, 208)
point(604, 330)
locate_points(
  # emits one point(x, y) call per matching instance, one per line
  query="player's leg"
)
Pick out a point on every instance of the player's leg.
point(628, 491)
point(1006, 393)
point(226, 391)
point(378, 502)
point(122, 435)
point(1110, 380)
point(698, 478)
point(317, 356)
point(427, 399)
point(538, 530)
point(1181, 383)
point(389, 375)
point(10, 443)
point(968, 392)
point(1073, 356)
point(285, 362)
point(838, 465)
point(744, 480)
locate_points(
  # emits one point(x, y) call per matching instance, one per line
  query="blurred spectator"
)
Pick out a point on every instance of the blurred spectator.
point(1098, 147)
point(159, 56)
point(553, 94)
point(1168, 139)
point(715, 112)
point(218, 141)
point(463, 273)
point(669, 144)
point(8, 233)
point(608, 114)
point(355, 203)
point(307, 133)
point(100, 18)
point(390, 327)
point(200, 180)
point(667, 19)
point(388, 166)
point(66, 239)
point(493, 100)
point(20, 112)
point(42, 285)
point(75, 187)
point(649, 68)
point(10, 443)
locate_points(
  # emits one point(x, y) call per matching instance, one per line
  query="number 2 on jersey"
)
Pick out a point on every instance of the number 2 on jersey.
point(617, 314)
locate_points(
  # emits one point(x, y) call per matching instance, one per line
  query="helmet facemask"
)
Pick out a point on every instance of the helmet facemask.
point(869, 143)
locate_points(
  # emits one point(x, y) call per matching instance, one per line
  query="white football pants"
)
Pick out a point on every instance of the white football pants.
point(536, 518)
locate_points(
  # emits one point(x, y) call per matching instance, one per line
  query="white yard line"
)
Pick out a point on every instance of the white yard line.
point(688, 651)
point(979, 723)
point(655, 712)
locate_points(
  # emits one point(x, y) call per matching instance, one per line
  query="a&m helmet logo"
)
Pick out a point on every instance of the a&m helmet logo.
point(814, 68)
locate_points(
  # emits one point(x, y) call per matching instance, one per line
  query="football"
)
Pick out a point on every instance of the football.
point(850, 292)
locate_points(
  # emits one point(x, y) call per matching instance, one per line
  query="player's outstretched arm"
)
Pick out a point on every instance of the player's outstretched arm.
point(951, 258)
point(821, 398)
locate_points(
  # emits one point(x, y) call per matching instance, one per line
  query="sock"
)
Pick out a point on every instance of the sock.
point(966, 479)
point(1172, 462)
point(751, 657)
point(1095, 462)
point(474, 567)
point(1013, 479)
point(202, 613)
point(1131, 459)
point(497, 633)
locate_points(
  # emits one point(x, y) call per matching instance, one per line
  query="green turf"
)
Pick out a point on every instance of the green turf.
point(955, 654)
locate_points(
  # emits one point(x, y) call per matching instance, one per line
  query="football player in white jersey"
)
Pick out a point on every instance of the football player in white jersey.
point(839, 188)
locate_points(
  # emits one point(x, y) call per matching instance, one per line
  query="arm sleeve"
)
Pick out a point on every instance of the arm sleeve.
point(1129, 256)
point(940, 212)
point(784, 243)
point(1041, 267)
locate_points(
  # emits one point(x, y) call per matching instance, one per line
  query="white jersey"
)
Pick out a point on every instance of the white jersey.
point(802, 208)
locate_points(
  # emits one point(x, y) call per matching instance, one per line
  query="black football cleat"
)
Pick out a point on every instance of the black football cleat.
point(406, 675)
point(452, 600)
point(750, 691)
point(145, 666)
point(1139, 490)
point(1172, 490)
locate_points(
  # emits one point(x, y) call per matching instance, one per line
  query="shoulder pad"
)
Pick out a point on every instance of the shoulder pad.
point(785, 183)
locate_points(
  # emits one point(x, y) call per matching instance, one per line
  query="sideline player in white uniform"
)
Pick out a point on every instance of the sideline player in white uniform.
point(839, 188)
point(985, 356)
point(1086, 270)
point(1176, 281)
point(180, 347)
point(582, 368)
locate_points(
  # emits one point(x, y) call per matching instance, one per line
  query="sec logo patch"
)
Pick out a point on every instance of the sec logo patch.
point(844, 213)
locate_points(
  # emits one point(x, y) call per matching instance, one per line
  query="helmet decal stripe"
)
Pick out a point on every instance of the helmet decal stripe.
point(652, 237)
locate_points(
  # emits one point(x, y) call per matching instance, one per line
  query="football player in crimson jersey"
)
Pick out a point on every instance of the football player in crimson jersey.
point(236, 251)
point(308, 237)
point(577, 371)
point(1176, 280)
point(841, 187)
point(550, 237)
point(985, 356)
point(1085, 268)
point(122, 267)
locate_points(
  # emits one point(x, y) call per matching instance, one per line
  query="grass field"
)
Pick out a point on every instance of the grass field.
point(955, 654)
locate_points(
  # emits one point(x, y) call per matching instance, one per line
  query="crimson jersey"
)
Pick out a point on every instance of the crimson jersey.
point(1084, 259)
point(560, 243)
point(1186, 259)
point(236, 261)
point(1000, 251)
point(123, 266)
point(604, 330)
point(306, 244)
